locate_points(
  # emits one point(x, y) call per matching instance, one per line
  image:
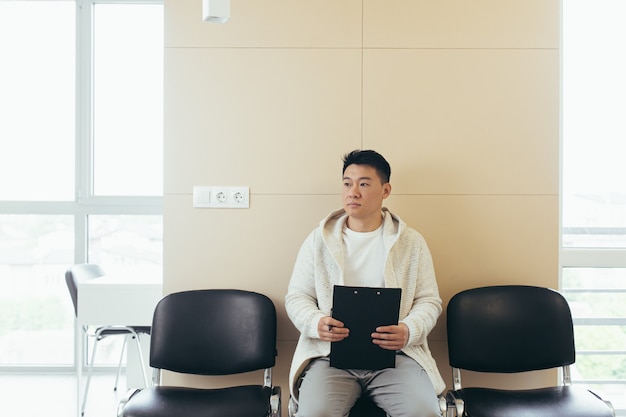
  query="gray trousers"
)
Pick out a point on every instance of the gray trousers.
point(403, 391)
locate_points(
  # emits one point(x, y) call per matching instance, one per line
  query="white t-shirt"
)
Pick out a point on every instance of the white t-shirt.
point(365, 258)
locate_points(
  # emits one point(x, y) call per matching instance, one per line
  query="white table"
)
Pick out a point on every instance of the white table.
point(120, 300)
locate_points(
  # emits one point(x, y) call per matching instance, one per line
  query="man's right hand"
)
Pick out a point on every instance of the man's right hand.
point(331, 330)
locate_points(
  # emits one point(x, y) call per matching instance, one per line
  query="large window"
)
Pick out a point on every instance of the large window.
point(593, 249)
point(80, 160)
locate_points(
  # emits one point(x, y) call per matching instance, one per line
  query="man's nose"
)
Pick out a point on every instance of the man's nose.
point(354, 191)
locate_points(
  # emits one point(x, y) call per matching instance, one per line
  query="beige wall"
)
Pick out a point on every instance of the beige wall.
point(461, 97)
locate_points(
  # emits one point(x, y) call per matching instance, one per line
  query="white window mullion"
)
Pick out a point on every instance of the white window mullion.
point(589, 258)
point(84, 112)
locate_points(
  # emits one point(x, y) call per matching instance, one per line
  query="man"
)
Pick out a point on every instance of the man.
point(364, 244)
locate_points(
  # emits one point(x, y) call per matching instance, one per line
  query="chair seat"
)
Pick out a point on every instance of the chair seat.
point(117, 330)
point(570, 401)
point(241, 401)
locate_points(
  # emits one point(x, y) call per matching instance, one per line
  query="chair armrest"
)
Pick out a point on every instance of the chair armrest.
point(443, 405)
point(448, 409)
point(129, 394)
point(275, 400)
point(454, 406)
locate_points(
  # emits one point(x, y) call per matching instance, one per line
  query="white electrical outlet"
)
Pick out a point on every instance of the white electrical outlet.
point(238, 197)
point(221, 197)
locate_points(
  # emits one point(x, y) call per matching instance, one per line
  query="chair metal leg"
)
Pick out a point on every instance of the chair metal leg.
point(135, 336)
point(93, 357)
point(141, 360)
point(119, 366)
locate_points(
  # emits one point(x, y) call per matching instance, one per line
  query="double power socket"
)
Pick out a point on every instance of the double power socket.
point(221, 197)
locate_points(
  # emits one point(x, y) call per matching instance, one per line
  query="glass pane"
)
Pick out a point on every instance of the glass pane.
point(37, 85)
point(594, 87)
point(128, 99)
point(602, 367)
point(594, 338)
point(35, 306)
point(597, 298)
point(595, 292)
point(124, 244)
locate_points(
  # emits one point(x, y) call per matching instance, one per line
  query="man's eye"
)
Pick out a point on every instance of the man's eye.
point(364, 184)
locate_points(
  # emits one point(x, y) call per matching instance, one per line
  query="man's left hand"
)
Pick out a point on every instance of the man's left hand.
point(393, 337)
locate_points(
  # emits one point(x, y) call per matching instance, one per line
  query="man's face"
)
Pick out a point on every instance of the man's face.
point(363, 193)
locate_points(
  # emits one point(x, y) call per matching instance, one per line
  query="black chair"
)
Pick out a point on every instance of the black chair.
point(364, 407)
point(84, 272)
point(210, 332)
point(512, 329)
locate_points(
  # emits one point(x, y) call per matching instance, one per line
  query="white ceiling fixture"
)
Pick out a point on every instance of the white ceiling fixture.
point(216, 11)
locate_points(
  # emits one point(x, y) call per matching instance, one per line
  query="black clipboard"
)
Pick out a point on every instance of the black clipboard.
point(362, 309)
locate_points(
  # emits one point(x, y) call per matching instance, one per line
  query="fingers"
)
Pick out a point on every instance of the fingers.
point(331, 330)
point(388, 341)
point(390, 337)
point(335, 334)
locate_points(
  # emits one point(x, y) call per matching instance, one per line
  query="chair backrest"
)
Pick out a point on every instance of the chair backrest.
point(79, 273)
point(213, 332)
point(509, 328)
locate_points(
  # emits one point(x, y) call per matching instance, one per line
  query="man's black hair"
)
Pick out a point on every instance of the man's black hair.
point(371, 158)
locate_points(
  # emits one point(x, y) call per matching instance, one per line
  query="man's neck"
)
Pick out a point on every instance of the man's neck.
point(364, 225)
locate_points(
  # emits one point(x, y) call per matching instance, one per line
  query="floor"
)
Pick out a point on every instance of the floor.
point(56, 395)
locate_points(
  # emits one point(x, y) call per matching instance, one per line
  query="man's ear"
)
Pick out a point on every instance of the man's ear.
point(386, 190)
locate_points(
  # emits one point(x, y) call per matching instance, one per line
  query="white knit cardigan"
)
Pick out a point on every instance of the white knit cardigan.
point(320, 265)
